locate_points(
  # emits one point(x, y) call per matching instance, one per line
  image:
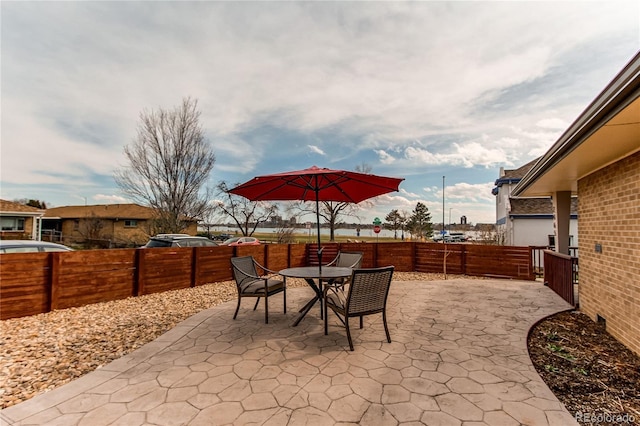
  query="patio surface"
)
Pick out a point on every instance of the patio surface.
point(458, 356)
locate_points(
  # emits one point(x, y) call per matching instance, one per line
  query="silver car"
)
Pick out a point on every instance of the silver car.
point(30, 246)
point(179, 240)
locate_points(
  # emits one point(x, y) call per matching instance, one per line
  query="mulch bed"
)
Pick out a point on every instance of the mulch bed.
point(591, 373)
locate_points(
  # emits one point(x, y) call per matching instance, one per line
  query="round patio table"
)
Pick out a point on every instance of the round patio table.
point(310, 275)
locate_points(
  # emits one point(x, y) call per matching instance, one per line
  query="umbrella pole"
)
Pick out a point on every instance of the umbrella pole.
point(318, 227)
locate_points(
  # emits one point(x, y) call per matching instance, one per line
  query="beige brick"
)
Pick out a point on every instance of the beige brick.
point(609, 215)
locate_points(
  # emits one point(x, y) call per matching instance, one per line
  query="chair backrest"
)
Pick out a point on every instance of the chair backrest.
point(350, 259)
point(369, 290)
point(244, 269)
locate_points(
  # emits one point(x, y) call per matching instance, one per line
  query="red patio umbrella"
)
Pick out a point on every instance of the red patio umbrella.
point(317, 184)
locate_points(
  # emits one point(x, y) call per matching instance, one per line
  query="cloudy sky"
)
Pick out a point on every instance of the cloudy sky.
point(416, 90)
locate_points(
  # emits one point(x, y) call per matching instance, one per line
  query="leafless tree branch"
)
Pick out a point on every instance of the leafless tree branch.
point(169, 165)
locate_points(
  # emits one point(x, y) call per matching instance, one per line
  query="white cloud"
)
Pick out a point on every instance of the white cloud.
point(316, 150)
point(468, 155)
point(472, 85)
point(110, 199)
point(480, 192)
point(385, 157)
point(552, 123)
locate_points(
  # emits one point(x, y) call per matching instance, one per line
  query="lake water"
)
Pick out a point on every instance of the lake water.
point(325, 231)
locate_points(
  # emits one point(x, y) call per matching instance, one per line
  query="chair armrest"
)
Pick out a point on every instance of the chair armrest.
point(334, 261)
point(265, 269)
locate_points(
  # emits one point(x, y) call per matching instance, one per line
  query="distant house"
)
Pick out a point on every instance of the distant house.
point(107, 224)
point(526, 221)
point(598, 159)
point(19, 221)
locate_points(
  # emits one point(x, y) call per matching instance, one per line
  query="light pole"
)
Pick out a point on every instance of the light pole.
point(443, 208)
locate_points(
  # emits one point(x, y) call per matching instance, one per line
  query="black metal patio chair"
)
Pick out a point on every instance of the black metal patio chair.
point(345, 259)
point(366, 295)
point(251, 284)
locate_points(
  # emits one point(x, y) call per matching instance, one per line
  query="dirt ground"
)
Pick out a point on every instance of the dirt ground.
point(595, 376)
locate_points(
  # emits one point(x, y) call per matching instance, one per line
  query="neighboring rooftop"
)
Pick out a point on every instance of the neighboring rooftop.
point(512, 176)
point(537, 206)
point(104, 211)
point(13, 207)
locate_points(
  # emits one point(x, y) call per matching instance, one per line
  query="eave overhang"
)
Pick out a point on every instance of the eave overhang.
point(606, 131)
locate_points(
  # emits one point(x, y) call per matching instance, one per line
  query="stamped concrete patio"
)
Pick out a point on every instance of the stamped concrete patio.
point(458, 356)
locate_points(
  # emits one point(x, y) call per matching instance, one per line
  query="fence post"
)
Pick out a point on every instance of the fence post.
point(375, 255)
point(463, 259)
point(54, 280)
point(140, 271)
point(414, 252)
point(265, 255)
point(136, 272)
point(194, 267)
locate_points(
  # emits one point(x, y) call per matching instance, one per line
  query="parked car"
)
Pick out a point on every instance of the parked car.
point(179, 240)
point(30, 246)
point(222, 237)
point(241, 241)
point(453, 237)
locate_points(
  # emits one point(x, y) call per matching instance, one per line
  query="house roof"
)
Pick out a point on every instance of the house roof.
point(13, 208)
point(104, 211)
point(606, 131)
point(520, 171)
point(513, 176)
point(537, 206)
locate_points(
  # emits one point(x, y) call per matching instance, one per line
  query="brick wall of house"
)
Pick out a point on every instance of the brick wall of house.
point(609, 218)
point(25, 234)
point(115, 231)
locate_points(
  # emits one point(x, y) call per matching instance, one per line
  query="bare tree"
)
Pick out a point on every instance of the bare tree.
point(169, 164)
point(247, 215)
point(331, 211)
point(364, 168)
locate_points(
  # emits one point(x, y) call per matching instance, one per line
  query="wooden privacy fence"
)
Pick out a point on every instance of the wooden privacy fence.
point(33, 283)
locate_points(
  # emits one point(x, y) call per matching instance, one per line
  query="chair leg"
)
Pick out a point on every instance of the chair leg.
point(237, 308)
point(326, 320)
point(360, 321)
point(346, 323)
point(266, 309)
point(257, 301)
point(386, 329)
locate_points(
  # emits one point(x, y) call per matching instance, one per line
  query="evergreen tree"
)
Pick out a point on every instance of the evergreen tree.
point(394, 220)
point(419, 223)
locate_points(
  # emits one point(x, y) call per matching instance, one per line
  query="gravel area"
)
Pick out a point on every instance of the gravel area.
point(41, 352)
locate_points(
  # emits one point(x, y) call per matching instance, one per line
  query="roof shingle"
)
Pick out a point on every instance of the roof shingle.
point(104, 211)
point(11, 206)
point(531, 206)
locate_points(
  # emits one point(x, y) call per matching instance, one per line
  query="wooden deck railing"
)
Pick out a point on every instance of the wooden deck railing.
point(33, 283)
point(561, 274)
point(537, 253)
